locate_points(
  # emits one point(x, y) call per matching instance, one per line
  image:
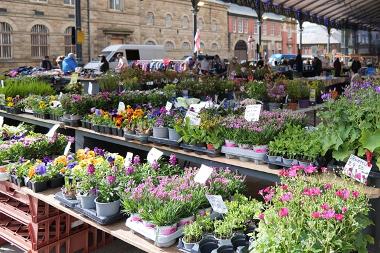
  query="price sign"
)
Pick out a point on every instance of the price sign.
point(74, 78)
point(357, 169)
point(67, 149)
point(252, 112)
point(121, 107)
point(89, 90)
point(2, 83)
point(128, 159)
point(168, 106)
point(194, 118)
point(313, 94)
point(149, 83)
point(52, 131)
point(1, 121)
point(203, 174)
point(153, 155)
point(217, 203)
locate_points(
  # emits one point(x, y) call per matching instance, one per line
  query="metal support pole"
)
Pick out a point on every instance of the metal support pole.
point(88, 32)
point(195, 12)
point(370, 51)
point(260, 23)
point(78, 29)
point(300, 30)
point(328, 40)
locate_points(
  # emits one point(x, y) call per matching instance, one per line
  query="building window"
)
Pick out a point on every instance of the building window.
point(214, 46)
point(169, 45)
point(150, 18)
point(214, 25)
point(234, 25)
point(39, 39)
point(186, 45)
point(185, 22)
point(150, 42)
point(5, 41)
point(168, 21)
point(256, 27)
point(116, 5)
point(240, 25)
point(264, 28)
point(245, 25)
point(273, 28)
point(69, 2)
point(289, 31)
point(69, 48)
point(200, 23)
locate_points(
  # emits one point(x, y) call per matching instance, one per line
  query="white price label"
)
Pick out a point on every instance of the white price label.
point(357, 169)
point(2, 83)
point(1, 121)
point(67, 149)
point(149, 83)
point(52, 131)
point(217, 203)
point(252, 112)
point(60, 95)
point(89, 90)
point(168, 106)
point(153, 155)
point(128, 159)
point(203, 174)
point(175, 81)
point(121, 107)
point(194, 118)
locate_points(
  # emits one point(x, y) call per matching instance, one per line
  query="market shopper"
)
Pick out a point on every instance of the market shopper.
point(60, 61)
point(232, 68)
point(46, 64)
point(122, 63)
point(104, 65)
point(356, 65)
point(299, 62)
point(317, 66)
point(69, 64)
point(205, 65)
point(337, 67)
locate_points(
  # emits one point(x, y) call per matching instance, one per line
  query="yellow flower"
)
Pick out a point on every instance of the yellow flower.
point(31, 172)
point(77, 169)
point(61, 160)
point(91, 153)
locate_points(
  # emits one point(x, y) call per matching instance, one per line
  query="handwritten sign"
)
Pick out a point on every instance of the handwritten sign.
point(217, 203)
point(52, 131)
point(168, 106)
point(89, 90)
point(74, 78)
point(128, 159)
point(252, 112)
point(357, 169)
point(194, 118)
point(67, 149)
point(121, 107)
point(153, 155)
point(203, 174)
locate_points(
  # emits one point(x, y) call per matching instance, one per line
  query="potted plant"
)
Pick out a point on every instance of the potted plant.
point(165, 216)
point(192, 235)
point(214, 139)
point(38, 177)
point(257, 90)
point(224, 231)
point(69, 189)
point(175, 118)
point(160, 129)
point(54, 171)
point(276, 94)
point(87, 188)
point(107, 202)
point(143, 127)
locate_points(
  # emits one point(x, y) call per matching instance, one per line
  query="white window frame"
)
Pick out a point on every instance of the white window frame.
point(39, 42)
point(264, 28)
point(6, 35)
point(273, 29)
point(113, 6)
point(167, 24)
point(185, 20)
point(234, 25)
point(245, 24)
point(147, 18)
point(40, 1)
point(71, 2)
point(240, 25)
point(256, 27)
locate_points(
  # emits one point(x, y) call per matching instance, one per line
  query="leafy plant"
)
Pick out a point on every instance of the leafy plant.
point(109, 82)
point(193, 232)
point(257, 90)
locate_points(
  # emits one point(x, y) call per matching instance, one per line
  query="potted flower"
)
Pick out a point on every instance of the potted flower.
point(107, 202)
point(38, 177)
point(87, 188)
point(299, 92)
point(143, 127)
point(69, 189)
point(276, 94)
point(160, 129)
point(55, 173)
point(174, 118)
point(165, 216)
point(192, 235)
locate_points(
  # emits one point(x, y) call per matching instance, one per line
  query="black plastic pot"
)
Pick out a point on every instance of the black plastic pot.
point(225, 249)
point(239, 240)
point(38, 186)
point(207, 245)
point(56, 182)
point(95, 128)
point(120, 132)
point(101, 129)
point(114, 131)
point(107, 130)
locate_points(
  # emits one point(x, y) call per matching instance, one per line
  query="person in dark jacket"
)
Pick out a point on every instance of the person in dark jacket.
point(46, 64)
point(299, 62)
point(317, 66)
point(337, 67)
point(104, 65)
point(356, 65)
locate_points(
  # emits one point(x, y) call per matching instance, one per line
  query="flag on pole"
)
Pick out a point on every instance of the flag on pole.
point(197, 40)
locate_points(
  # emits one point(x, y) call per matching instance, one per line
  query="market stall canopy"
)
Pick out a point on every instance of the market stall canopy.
point(355, 14)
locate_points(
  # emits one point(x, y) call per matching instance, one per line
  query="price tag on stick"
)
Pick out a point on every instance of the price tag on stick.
point(1, 121)
point(203, 174)
point(52, 131)
point(252, 112)
point(194, 118)
point(67, 149)
point(168, 106)
point(357, 169)
point(217, 203)
point(153, 155)
point(89, 90)
point(128, 159)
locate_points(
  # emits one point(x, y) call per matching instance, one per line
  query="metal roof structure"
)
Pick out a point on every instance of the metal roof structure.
point(353, 14)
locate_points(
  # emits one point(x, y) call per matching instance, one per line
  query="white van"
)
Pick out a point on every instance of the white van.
point(131, 52)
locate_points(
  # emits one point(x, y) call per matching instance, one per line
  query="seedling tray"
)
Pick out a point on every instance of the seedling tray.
point(141, 138)
point(245, 153)
point(163, 141)
point(201, 150)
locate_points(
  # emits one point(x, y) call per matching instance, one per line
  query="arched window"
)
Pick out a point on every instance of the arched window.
point(214, 46)
point(168, 21)
point(39, 39)
point(169, 45)
point(5, 41)
point(200, 24)
point(186, 45)
point(69, 48)
point(150, 42)
point(185, 22)
point(150, 18)
point(214, 25)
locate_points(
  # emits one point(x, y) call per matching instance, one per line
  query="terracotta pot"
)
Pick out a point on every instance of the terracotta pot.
point(292, 106)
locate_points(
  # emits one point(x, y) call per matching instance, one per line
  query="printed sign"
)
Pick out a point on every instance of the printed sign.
point(121, 107)
point(74, 78)
point(194, 118)
point(217, 203)
point(313, 94)
point(357, 169)
point(128, 159)
point(203, 174)
point(168, 106)
point(52, 131)
point(153, 155)
point(252, 112)
point(89, 90)
point(67, 149)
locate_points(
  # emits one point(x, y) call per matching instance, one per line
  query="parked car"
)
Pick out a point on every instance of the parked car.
point(280, 58)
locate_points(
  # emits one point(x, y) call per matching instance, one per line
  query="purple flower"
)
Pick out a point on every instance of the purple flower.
point(377, 89)
point(111, 179)
point(129, 170)
point(40, 169)
point(91, 169)
point(326, 96)
point(155, 165)
point(92, 110)
point(136, 160)
point(172, 159)
point(70, 139)
point(72, 165)
point(110, 159)
point(99, 151)
point(98, 112)
point(46, 160)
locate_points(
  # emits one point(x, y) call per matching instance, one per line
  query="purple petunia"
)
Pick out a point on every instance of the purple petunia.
point(91, 169)
point(40, 169)
point(136, 160)
point(111, 179)
point(172, 159)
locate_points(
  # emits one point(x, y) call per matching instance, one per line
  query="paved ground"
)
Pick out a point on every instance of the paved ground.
point(116, 246)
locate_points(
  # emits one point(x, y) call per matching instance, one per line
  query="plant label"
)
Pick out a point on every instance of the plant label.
point(168, 106)
point(175, 81)
point(89, 90)
point(128, 159)
point(67, 149)
point(2, 83)
point(217, 203)
point(252, 112)
point(60, 95)
point(357, 169)
point(313, 94)
point(203, 174)
point(194, 118)
point(121, 107)
point(149, 83)
point(153, 155)
point(52, 131)
point(74, 78)
point(1, 121)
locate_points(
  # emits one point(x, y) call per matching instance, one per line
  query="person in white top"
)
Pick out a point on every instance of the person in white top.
point(122, 64)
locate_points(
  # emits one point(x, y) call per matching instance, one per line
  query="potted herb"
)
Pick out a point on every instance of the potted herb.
point(224, 231)
point(192, 235)
point(69, 189)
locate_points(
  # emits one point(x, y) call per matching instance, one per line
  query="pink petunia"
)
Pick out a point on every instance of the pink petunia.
point(355, 194)
point(343, 194)
point(286, 197)
point(339, 216)
point(328, 214)
point(261, 216)
point(325, 206)
point(283, 212)
point(316, 215)
point(310, 169)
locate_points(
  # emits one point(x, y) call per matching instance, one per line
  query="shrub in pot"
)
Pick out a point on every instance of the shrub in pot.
point(192, 235)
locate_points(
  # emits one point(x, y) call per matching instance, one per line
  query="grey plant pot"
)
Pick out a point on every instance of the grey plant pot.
point(304, 164)
point(161, 132)
point(272, 159)
point(288, 162)
point(107, 209)
point(87, 202)
point(173, 135)
point(273, 106)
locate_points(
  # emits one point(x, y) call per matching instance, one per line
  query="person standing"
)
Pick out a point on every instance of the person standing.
point(337, 67)
point(205, 65)
point(317, 66)
point(356, 66)
point(46, 64)
point(299, 62)
point(122, 63)
point(69, 64)
point(104, 65)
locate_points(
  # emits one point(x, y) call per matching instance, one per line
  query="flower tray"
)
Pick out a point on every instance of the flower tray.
point(137, 137)
point(71, 122)
point(163, 141)
point(89, 213)
point(201, 150)
point(162, 241)
point(12, 110)
point(41, 115)
point(243, 153)
point(275, 164)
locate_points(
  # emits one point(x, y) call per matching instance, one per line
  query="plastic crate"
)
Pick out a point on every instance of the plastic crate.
point(13, 191)
point(33, 211)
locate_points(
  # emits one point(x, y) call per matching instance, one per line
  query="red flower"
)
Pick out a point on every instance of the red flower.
point(316, 215)
point(261, 216)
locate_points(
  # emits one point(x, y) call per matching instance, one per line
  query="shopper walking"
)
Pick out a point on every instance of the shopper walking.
point(69, 64)
point(104, 65)
point(337, 67)
point(46, 64)
point(205, 65)
point(122, 64)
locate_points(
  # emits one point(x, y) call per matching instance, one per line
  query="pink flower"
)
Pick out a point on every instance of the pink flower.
point(91, 169)
point(314, 191)
point(111, 179)
point(292, 172)
point(339, 216)
point(316, 215)
point(261, 216)
point(325, 206)
point(268, 197)
point(327, 186)
point(328, 214)
point(286, 197)
point(343, 194)
point(129, 170)
point(283, 212)
point(344, 209)
point(284, 187)
point(355, 194)
point(310, 169)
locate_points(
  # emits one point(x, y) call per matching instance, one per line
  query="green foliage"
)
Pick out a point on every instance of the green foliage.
point(257, 90)
point(193, 232)
point(109, 82)
point(297, 90)
point(25, 86)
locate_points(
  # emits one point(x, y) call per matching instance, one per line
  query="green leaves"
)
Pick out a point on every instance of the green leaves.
point(370, 140)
